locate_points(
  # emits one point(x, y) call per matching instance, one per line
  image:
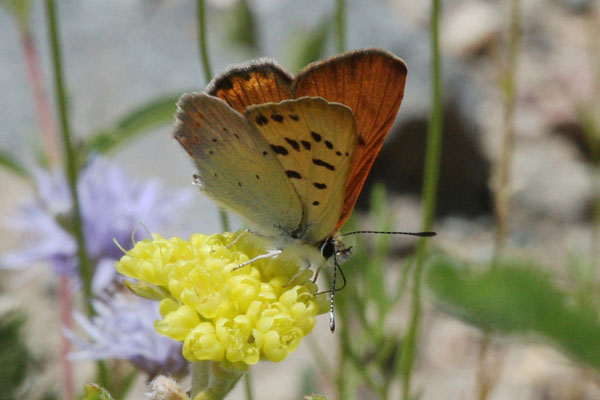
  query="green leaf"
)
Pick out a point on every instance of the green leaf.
point(141, 120)
point(518, 299)
point(9, 162)
point(15, 358)
point(96, 392)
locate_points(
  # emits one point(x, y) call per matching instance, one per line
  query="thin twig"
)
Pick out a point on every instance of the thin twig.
point(485, 377)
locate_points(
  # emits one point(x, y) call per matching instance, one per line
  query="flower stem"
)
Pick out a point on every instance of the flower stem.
point(202, 42)
point(47, 130)
point(211, 381)
point(340, 25)
point(71, 167)
point(200, 376)
point(502, 190)
point(66, 321)
point(248, 386)
point(502, 178)
point(432, 162)
point(594, 139)
point(208, 75)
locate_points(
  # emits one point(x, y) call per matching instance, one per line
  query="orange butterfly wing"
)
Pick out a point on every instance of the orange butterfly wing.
point(257, 82)
point(371, 82)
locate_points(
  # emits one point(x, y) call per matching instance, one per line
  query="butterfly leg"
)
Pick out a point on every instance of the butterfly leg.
point(298, 274)
point(269, 254)
point(237, 238)
point(317, 272)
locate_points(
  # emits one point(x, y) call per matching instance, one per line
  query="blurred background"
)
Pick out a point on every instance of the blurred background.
point(122, 57)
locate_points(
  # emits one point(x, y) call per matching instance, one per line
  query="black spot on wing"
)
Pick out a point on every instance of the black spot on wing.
point(277, 117)
point(361, 141)
point(324, 164)
point(315, 203)
point(338, 153)
point(261, 120)
point(280, 150)
point(328, 144)
point(264, 153)
point(316, 137)
point(294, 117)
point(293, 143)
point(293, 174)
point(319, 185)
point(306, 144)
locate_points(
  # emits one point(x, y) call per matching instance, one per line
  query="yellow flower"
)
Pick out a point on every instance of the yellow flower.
point(219, 311)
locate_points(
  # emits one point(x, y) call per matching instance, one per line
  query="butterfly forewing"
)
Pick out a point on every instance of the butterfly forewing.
point(252, 83)
point(237, 167)
point(314, 140)
point(370, 82)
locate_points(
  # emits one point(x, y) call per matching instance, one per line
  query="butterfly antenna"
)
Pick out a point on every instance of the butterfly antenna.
point(336, 268)
point(419, 234)
point(332, 304)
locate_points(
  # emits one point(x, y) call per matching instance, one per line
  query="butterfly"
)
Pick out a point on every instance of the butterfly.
point(291, 154)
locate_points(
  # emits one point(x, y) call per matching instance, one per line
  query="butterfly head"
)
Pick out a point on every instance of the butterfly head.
point(333, 246)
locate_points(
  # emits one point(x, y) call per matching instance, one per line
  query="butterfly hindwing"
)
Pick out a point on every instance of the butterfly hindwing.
point(369, 81)
point(314, 141)
point(236, 166)
point(255, 82)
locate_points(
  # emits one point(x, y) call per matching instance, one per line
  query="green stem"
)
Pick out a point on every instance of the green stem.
point(248, 386)
point(594, 141)
point(49, 136)
point(202, 42)
point(211, 381)
point(502, 187)
point(432, 162)
point(200, 376)
point(502, 178)
point(85, 270)
point(208, 75)
point(340, 25)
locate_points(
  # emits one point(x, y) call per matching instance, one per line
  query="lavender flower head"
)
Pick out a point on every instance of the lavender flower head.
point(112, 206)
point(123, 329)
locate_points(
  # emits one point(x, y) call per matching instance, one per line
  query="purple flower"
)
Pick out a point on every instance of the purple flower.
point(123, 329)
point(112, 206)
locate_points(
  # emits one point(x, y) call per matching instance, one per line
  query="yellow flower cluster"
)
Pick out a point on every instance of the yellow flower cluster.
point(221, 312)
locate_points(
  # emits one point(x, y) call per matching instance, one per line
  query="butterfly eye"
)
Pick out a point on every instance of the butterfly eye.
point(328, 248)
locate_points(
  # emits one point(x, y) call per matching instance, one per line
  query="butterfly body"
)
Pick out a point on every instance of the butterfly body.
point(290, 155)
